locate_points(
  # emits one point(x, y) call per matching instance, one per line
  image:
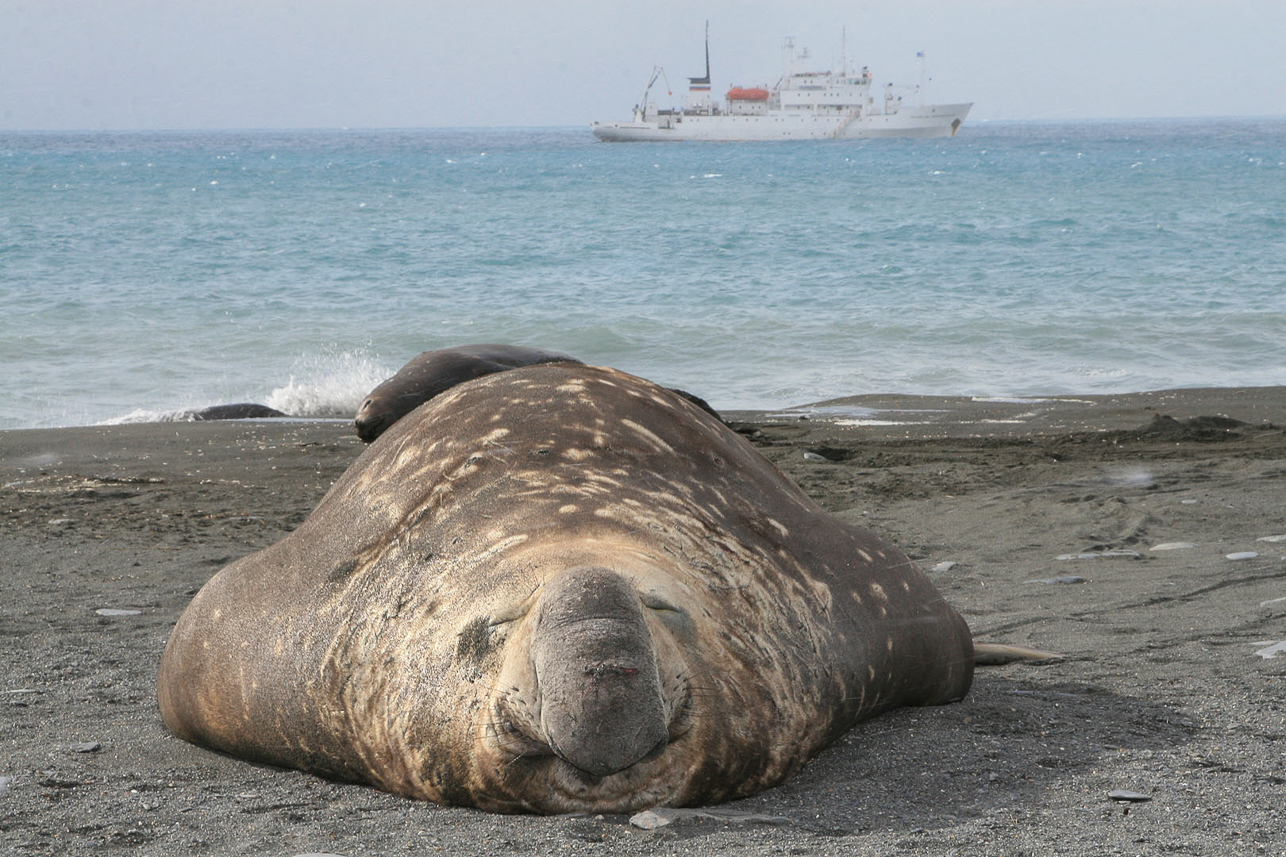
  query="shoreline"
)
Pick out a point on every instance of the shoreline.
point(925, 416)
point(922, 415)
point(1168, 687)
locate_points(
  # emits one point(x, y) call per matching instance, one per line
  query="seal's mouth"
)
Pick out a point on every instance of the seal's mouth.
point(541, 781)
point(516, 737)
point(369, 427)
point(593, 778)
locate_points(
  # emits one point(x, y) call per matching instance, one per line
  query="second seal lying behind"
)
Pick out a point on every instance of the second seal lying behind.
point(556, 589)
point(434, 372)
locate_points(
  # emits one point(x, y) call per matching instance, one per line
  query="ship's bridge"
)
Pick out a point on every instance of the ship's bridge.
point(820, 90)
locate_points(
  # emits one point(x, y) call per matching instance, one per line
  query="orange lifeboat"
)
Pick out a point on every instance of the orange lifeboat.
point(738, 93)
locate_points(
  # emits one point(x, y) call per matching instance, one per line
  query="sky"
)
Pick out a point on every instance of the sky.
point(205, 64)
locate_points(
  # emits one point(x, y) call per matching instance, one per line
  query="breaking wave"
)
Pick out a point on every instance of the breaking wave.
point(329, 386)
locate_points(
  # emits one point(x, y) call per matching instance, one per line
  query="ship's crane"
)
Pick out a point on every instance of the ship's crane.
point(640, 109)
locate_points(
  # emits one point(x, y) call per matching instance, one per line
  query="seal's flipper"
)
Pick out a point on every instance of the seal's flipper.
point(996, 654)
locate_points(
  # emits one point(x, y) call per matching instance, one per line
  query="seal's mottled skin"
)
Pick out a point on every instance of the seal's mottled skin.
point(559, 588)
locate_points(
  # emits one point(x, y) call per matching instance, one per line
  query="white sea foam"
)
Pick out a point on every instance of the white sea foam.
point(146, 415)
point(874, 423)
point(1015, 400)
point(318, 386)
point(329, 386)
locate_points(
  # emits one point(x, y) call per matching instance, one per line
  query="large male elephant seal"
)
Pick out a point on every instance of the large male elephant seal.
point(560, 588)
point(432, 373)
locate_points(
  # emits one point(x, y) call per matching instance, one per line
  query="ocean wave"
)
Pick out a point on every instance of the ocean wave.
point(145, 415)
point(803, 273)
point(329, 385)
point(323, 386)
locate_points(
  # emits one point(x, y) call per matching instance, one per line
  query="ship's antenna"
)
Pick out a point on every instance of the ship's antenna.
point(920, 54)
point(843, 51)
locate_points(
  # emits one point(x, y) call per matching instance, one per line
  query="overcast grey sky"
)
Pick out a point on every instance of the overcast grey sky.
point(179, 64)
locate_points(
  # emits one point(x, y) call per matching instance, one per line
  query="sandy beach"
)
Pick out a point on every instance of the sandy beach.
point(1143, 537)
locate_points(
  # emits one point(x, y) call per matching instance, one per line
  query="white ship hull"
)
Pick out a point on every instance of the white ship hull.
point(933, 120)
point(802, 105)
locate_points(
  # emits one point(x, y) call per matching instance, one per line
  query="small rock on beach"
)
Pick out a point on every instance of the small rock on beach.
point(651, 819)
point(1119, 554)
point(1272, 648)
point(1128, 796)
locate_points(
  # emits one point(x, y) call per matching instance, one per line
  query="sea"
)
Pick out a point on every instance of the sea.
point(146, 273)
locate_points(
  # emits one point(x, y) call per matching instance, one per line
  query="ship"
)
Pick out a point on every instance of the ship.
point(801, 105)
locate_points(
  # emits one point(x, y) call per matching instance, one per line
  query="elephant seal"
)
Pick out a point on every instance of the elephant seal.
point(433, 373)
point(238, 411)
point(559, 589)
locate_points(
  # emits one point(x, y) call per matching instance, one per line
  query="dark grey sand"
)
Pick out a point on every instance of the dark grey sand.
point(1165, 690)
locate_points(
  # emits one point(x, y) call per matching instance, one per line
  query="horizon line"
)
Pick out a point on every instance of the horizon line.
point(1047, 120)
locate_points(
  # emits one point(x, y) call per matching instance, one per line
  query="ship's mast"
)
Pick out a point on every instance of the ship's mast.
point(699, 87)
point(705, 80)
point(920, 54)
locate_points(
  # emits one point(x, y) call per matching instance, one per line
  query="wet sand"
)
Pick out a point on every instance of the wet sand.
point(1039, 519)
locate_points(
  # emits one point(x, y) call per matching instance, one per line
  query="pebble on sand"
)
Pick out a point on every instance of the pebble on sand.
point(1099, 555)
point(112, 611)
point(651, 819)
point(86, 747)
point(1271, 539)
point(1127, 795)
point(944, 566)
point(1173, 546)
point(1065, 578)
point(1237, 557)
point(1272, 648)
